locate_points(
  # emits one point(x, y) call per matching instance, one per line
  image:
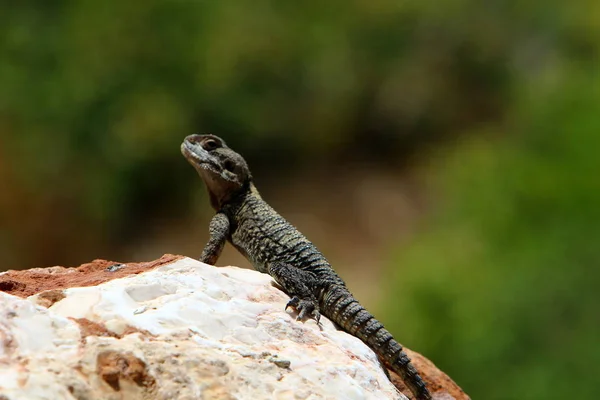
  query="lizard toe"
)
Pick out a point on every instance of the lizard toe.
point(317, 316)
point(294, 302)
point(307, 309)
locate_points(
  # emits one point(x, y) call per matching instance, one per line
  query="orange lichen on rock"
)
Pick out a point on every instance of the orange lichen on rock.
point(29, 282)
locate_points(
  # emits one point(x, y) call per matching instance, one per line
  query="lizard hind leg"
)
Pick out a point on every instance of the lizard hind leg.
point(301, 286)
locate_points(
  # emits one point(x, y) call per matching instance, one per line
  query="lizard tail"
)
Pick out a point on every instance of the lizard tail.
point(347, 312)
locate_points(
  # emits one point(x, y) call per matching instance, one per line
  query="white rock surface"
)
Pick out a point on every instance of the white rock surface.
point(185, 330)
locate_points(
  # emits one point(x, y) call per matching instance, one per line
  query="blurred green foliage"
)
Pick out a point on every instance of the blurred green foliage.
point(501, 287)
point(498, 287)
point(96, 97)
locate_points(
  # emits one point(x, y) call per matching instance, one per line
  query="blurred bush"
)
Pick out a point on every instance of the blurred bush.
point(97, 96)
point(500, 287)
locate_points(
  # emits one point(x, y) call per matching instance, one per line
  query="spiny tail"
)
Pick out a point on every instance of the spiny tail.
point(339, 305)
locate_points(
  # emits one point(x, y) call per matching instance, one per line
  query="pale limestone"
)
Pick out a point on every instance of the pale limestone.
point(194, 331)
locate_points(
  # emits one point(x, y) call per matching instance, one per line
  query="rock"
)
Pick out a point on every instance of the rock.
point(174, 328)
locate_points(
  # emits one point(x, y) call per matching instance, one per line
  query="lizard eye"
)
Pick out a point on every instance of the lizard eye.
point(210, 144)
point(229, 165)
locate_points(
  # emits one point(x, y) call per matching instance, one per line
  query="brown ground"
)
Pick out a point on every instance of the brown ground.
point(50, 282)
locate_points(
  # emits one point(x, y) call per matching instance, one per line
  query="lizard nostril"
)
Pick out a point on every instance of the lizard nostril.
point(229, 165)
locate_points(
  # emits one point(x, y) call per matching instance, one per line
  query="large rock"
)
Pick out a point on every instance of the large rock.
point(175, 329)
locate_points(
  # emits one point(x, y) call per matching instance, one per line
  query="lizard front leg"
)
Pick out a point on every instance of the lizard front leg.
point(219, 230)
point(300, 285)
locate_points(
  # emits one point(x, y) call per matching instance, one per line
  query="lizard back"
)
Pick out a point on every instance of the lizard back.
point(263, 236)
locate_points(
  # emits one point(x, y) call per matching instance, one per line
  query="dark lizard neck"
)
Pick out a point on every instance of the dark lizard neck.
point(248, 194)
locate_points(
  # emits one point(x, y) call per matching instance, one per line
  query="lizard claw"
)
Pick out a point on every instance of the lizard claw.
point(294, 301)
point(317, 316)
point(305, 308)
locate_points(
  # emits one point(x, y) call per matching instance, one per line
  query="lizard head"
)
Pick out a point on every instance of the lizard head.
point(224, 171)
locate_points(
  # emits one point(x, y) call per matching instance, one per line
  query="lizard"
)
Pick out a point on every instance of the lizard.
point(276, 247)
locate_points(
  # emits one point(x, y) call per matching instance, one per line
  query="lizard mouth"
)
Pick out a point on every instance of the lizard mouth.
point(199, 157)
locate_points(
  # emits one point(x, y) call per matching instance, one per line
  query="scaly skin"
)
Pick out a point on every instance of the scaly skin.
point(276, 247)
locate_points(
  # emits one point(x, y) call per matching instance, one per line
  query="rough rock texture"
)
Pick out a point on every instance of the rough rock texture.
point(175, 328)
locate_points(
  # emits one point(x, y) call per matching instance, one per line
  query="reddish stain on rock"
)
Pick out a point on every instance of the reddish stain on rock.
point(91, 328)
point(439, 384)
point(113, 367)
point(49, 297)
point(29, 282)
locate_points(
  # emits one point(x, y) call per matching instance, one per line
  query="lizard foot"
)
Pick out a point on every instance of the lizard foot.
point(305, 308)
